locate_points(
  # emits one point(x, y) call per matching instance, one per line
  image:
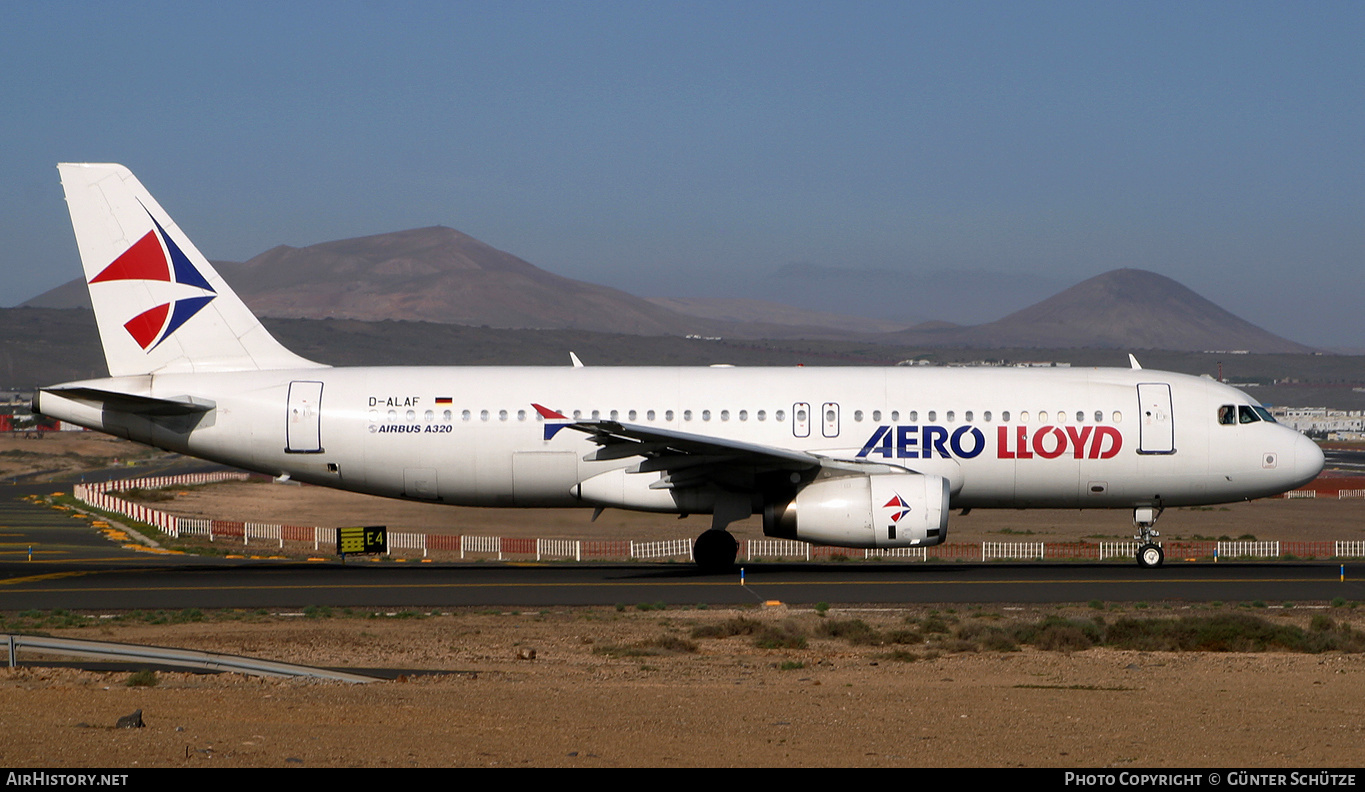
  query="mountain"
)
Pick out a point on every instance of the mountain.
point(442, 276)
point(1121, 309)
point(439, 275)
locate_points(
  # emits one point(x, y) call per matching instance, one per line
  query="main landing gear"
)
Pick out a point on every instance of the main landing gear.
point(715, 551)
point(1149, 554)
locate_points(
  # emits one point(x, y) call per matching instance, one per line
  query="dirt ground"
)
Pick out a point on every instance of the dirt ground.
point(613, 688)
point(49, 455)
point(585, 700)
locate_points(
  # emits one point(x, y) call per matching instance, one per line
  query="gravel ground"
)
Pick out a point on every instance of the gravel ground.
point(595, 694)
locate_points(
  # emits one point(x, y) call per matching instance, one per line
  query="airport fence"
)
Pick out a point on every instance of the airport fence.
point(1011, 551)
point(104, 496)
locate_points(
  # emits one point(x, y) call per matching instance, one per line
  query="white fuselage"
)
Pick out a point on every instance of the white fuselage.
point(1004, 438)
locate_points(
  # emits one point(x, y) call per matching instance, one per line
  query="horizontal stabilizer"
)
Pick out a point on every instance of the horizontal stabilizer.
point(133, 403)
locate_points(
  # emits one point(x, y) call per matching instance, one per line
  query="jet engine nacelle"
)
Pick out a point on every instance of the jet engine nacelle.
point(871, 511)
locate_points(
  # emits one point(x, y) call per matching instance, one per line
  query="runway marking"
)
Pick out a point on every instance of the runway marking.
point(49, 576)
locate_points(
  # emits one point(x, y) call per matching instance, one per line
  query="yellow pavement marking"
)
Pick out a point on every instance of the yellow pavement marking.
point(39, 578)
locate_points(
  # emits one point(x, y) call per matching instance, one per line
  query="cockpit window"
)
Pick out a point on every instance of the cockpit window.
point(1246, 415)
point(1264, 413)
point(1227, 415)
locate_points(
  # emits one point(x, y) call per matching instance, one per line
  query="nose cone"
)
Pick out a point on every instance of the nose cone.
point(1308, 461)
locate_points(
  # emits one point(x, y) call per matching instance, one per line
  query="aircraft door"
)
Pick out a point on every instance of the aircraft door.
point(829, 414)
point(303, 431)
point(1156, 430)
point(801, 419)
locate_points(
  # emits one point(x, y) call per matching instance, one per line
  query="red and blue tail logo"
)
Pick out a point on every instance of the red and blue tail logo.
point(157, 259)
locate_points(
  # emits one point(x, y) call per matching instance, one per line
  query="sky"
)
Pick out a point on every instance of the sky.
point(903, 160)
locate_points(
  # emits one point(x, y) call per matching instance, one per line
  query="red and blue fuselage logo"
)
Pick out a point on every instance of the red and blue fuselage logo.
point(156, 258)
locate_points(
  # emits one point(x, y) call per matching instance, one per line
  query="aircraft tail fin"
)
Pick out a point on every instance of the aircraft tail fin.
point(160, 306)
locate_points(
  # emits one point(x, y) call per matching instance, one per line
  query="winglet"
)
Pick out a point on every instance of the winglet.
point(574, 359)
point(551, 429)
point(547, 413)
point(1132, 361)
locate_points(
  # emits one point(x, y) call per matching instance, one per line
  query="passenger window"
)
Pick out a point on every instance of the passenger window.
point(780, 415)
point(877, 416)
point(630, 416)
point(1118, 417)
point(743, 415)
point(968, 416)
point(429, 415)
point(986, 416)
point(521, 415)
point(1005, 416)
point(762, 415)
point(1080, 416)
point(933, 415)
point(1099, 417)
point(687, 415)
point(445, 416)
point(857, 415)
point(896, 416)
point(951, 416)
point(502, 415)
point(668, 415)
point(464, 415)
point(649, 416)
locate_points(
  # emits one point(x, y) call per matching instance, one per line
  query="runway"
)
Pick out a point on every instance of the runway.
point(74, 567)
point(1349, 460)
point(292, 585)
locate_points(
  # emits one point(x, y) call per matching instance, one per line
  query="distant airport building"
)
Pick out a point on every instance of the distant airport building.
point(1323, 422)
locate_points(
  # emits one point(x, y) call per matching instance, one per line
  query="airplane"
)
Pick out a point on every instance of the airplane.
point(853, 457)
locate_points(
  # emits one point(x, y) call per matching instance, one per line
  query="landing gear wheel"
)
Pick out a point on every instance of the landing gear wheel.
point(715, 551)
point(1150, 556)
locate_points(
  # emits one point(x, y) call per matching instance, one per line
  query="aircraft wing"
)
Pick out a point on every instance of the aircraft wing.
point(667, 449)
